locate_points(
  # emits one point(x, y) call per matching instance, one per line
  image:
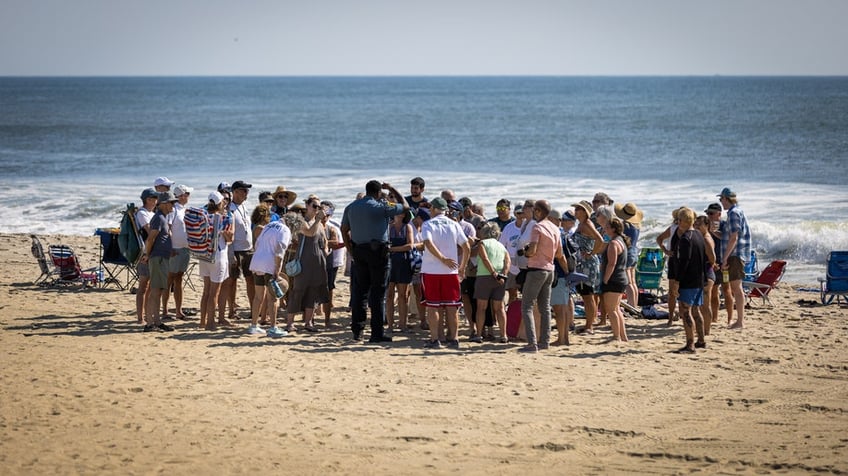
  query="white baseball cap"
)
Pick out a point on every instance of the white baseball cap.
point(182, 189)
point(216, 197)
point(163, 181)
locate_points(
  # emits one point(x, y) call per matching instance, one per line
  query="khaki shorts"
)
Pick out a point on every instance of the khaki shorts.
point(158, 272)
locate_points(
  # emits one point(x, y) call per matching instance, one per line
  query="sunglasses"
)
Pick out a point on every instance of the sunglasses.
point(316, 206)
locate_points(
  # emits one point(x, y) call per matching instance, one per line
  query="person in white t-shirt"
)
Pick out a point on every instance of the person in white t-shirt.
point(180, 257)
point(266, 267)
point(149, 197)
point(446, 253)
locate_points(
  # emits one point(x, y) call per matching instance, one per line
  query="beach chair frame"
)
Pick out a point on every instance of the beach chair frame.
point(47, 272)
point(113, 263)
point(649, 270)
point(768, 279)
point(835, 283)
point(68, 268)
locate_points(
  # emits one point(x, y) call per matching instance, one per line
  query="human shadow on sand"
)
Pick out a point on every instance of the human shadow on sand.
point(81, 325)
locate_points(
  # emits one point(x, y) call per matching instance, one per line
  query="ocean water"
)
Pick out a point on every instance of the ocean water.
point(74, 151)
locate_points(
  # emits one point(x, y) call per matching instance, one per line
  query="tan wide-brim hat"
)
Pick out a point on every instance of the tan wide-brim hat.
point(281, 190)
point(585, 205)
point(629, 212)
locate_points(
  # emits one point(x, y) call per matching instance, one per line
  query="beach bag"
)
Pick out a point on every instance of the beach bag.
point(128, 240)
point(293, 267)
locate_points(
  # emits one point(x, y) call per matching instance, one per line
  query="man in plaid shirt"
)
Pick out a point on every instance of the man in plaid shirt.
point(736, 248)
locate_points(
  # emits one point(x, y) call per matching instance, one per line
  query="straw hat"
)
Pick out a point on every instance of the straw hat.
point(281, 190)
point(629, 212)
point(585, 205)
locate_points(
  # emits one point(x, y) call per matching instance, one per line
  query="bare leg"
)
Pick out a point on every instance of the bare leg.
point(452, 318)
point(153, 303)
point(591, 311)
point(204, 301)
point(688, 326)
point(632, 290)
point(739, 300)
point(673, 286)
point(309, 317)
point(211, 299)
point(561, 324)
point(500, 314)
point(715, 302)
point(258, 304)
point(141, 298)
point(328, 309)
point(480, 319)
point(178, 295)
point(403, 305)
point(728, 301)
point(706, 308)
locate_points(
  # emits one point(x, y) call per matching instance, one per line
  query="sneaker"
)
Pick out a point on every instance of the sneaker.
point(433, 344)
point(276, 332)
point(543, 346)
point(255, 330)
point(149, 328)
point(476, 339)
point(529, 349)
point(453, 344)
point(164, 327)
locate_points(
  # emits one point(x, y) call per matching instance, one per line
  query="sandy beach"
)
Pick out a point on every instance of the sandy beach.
point(84, 391)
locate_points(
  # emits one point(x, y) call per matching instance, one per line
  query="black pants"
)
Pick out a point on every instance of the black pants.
point(369, 279)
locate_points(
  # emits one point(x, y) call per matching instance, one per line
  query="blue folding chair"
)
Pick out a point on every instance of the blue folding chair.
point(752, 268)
point(649, 269)
point(835, 284)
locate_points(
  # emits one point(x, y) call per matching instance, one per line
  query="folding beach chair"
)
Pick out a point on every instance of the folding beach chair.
point(752, 267)
point(835, 283)
point(765, 282)
point(113, 263)
point(46, 271)
point(649, 270)
point(69, 269)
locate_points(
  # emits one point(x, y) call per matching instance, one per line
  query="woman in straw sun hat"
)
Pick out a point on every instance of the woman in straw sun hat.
point(631, 216)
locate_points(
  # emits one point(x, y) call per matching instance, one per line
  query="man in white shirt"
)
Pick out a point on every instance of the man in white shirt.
point(442, 270)
point(242, 236)
point(180, 257)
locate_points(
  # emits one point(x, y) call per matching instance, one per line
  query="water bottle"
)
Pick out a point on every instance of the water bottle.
point(278, 291)
point(725, 276)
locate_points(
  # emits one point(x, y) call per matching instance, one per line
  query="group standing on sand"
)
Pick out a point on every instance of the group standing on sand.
point(442, 255)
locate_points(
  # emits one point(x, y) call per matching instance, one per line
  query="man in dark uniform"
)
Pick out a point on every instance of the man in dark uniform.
point(365, 228)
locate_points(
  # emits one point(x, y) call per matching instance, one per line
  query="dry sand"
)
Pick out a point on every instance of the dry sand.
point(83, 390)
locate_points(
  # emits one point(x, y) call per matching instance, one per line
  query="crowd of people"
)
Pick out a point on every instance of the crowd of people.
point(436, 258)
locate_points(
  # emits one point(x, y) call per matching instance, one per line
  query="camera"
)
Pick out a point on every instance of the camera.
point(522, 250)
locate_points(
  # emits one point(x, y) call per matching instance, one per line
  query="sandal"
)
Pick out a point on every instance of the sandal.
point(311, 328)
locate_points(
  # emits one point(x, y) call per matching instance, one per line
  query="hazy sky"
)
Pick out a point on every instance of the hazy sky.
point(423, 37)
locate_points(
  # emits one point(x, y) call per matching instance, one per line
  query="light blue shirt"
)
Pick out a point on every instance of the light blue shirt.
point(368, 219)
